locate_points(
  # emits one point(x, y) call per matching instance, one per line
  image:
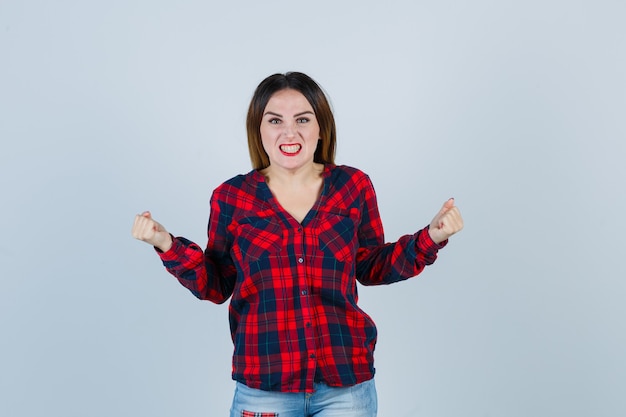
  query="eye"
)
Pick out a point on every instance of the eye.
point(274, 121)
point(303, 120)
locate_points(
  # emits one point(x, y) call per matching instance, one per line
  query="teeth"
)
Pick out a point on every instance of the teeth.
point(290, 148)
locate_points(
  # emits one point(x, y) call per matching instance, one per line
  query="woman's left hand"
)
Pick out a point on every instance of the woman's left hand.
point(446, 223)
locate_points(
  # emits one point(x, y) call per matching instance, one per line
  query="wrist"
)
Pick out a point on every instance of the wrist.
point(166, 245)
point(437, 236)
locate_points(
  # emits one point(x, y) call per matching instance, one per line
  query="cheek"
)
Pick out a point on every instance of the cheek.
point(265, 138)
point(315, 135)
point(266, 146)
point(317, 132)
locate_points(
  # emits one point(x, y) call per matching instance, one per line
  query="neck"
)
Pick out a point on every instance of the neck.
point(293, 178)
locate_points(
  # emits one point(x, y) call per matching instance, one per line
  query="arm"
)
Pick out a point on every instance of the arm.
point(209, 275)
point(385, 263)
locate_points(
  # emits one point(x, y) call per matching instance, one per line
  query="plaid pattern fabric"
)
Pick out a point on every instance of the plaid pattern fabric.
point(293, 312)
point(253, 414)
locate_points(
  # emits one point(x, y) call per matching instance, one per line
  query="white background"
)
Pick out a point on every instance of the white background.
point(515, 108)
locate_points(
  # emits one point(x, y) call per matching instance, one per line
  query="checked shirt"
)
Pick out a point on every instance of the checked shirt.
point(293, 307)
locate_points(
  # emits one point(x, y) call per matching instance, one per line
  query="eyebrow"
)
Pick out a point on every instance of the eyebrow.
point(295, 115)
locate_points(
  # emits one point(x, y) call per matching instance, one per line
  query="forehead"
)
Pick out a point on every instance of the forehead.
point(288, 100)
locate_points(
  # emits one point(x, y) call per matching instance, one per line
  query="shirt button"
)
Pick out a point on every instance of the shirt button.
point(300, 260)
point(299, 229)
point(304, 292)
point(308, 324)
point(312, 356)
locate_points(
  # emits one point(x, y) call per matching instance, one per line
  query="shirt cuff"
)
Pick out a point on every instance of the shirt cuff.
point(425, 243)
point(173, 252)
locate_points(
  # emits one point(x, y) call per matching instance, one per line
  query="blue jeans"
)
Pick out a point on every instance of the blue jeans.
point(356, 401)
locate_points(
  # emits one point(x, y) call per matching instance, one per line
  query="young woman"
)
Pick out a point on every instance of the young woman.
point(287, 243)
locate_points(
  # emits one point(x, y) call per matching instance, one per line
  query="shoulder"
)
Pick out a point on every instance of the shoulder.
point(344, 175)
point(238, 186)
point(345, 171)
point(348, 187)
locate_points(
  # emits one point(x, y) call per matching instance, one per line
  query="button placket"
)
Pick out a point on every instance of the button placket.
point(304, 293)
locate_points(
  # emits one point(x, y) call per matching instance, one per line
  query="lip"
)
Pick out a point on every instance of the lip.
point(290, 149)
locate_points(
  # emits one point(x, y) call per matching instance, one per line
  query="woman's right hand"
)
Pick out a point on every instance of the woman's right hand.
point(152, 232)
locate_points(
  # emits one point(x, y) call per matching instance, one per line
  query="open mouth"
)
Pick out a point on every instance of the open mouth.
point(290, 149)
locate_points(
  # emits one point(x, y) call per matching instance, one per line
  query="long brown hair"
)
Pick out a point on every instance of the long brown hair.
point(326, 147)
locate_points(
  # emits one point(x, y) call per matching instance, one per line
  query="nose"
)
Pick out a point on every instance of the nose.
point(289, 129)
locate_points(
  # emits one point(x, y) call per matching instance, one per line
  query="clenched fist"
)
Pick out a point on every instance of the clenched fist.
point(446, 223)
point(150, 231)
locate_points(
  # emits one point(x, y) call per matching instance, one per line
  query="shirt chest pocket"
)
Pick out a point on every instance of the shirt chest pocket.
point(259, 237)
point(337, 233)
